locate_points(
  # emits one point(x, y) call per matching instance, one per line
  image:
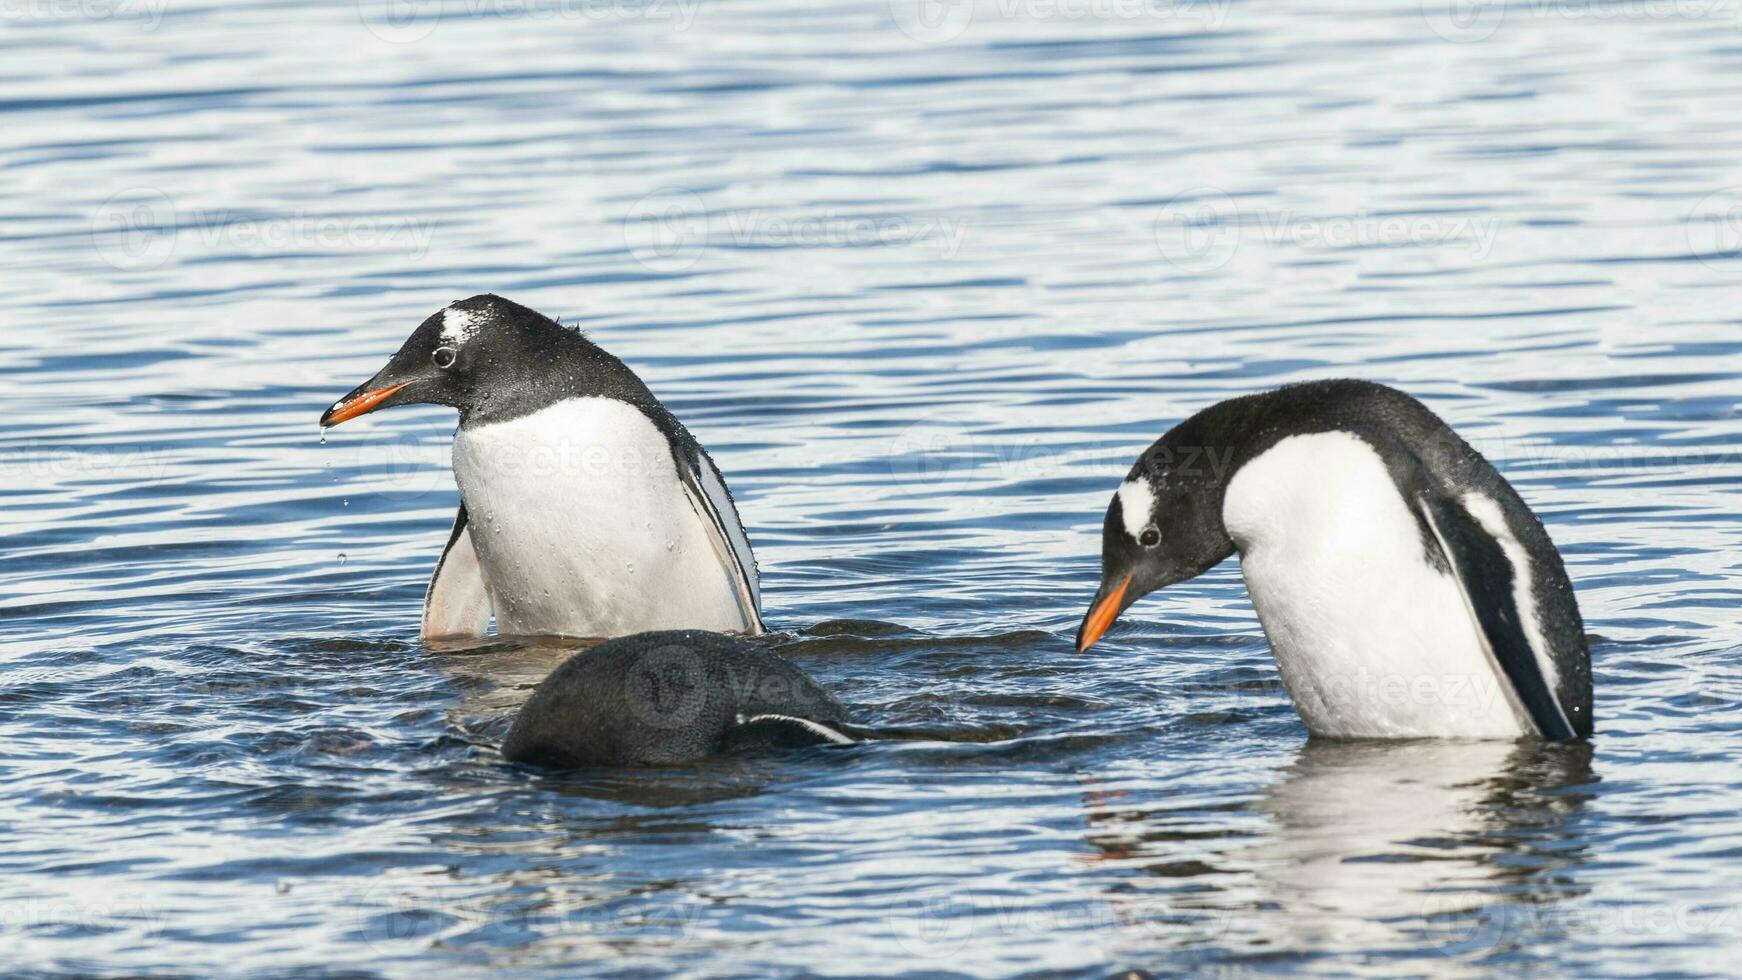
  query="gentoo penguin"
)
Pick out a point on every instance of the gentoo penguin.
point(1405, 588)
point(586, 508)
point(671, 697)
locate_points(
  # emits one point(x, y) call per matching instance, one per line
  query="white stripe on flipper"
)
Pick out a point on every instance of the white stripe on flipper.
point(1513, 700)
point(815, 728)
point(707, 496)
point(721, 501)
point(1488, 513)
point(1136, 500)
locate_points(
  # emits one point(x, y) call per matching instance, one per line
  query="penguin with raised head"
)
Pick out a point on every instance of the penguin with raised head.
point(586, 508)
point(670, 697)
point(1405, 588)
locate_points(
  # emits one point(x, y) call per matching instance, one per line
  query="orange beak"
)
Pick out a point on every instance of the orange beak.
point(361, 404)
point(1101, 616)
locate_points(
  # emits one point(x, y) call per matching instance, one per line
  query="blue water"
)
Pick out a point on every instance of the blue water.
point(924, 285)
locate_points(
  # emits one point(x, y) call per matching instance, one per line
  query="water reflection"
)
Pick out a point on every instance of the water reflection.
point(1370, 837)
point(1368, 845)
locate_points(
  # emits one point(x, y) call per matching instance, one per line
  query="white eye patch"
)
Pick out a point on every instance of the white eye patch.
point(1135, 501)
point(458, 326)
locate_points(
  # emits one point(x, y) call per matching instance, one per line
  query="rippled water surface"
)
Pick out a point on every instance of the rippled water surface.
point(924, 285)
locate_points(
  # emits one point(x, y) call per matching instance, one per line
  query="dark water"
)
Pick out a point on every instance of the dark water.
point(924, 285)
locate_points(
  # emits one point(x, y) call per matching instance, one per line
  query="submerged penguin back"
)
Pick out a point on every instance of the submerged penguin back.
point(670, 697)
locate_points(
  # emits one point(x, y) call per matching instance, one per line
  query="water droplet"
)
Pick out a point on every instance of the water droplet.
point(629, 565)
point(347, 502)
point(323, 435)
point(343, 558)
point(671, 546)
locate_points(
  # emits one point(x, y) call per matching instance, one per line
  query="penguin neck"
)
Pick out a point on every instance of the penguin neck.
point(1204, 452)
point(1195, 464)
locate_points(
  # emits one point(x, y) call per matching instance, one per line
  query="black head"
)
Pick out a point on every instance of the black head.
point(1163, 526)
point(485, 355)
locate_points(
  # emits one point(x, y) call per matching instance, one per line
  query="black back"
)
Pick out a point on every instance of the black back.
point(666, 697)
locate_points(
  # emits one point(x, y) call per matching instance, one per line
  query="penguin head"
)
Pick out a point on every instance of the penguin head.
point(461, 356)
point(1163, 526)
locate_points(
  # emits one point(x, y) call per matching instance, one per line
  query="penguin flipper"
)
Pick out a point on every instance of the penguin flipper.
point(712, 502)
point(781, 731)
point(457, 603)
point(1489, 581)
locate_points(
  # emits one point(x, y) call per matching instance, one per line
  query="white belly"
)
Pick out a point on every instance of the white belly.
point(583, 528)
point(1371, 640)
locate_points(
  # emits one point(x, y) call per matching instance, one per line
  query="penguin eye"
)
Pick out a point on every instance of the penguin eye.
point(1149, 538)
point(444, 357)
